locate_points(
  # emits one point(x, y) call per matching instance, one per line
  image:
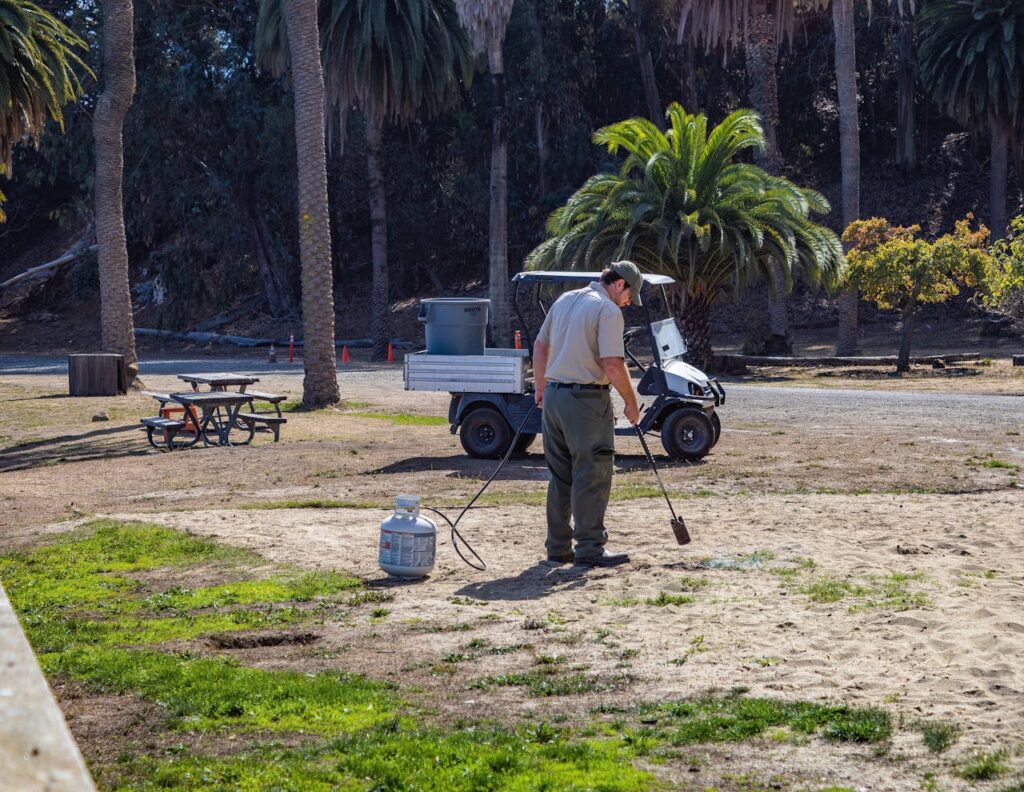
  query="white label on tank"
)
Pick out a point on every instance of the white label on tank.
point(406, 549)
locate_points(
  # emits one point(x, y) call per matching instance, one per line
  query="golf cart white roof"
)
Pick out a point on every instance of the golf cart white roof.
point(546, 276)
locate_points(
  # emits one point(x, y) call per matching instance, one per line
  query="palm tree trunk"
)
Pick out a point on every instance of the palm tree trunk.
point(540, 124)
point(849, 147)
point(320, 385)
point(379, 237)
point(693, 313)
point(117, 326)
point(498, 233)
point(906, 149)
point(998, 179)
point(761, 52)
point(688, 77)
point(655, 110)
point(909, 313)
point(541, 129)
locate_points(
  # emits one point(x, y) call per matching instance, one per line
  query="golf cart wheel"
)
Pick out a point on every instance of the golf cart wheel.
point(687, 434)
point(525, 441)
point(485, 434)
point(716, 424)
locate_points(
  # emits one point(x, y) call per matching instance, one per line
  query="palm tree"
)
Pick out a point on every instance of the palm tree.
point(38, 58)
point(393, 59)
point(681, 204)
point(298, 25)
point(849, 156)
point(761, 26)
point(117, 326)
point(485, 21)
point(972, 61)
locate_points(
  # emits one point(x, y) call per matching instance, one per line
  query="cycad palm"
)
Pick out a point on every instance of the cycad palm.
point(38, 58)
point(972, 60)
point(393, 59)
point(681, 204)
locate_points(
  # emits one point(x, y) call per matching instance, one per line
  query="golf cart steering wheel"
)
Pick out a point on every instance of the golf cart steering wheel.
point(629, 335)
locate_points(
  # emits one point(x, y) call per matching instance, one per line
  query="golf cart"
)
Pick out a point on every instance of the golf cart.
point(492, 393)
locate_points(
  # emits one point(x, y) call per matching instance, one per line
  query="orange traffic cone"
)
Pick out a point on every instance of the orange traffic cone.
point(344, 354)
point(391, 353)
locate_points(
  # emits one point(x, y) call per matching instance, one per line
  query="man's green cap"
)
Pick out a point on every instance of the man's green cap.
point(628, 271)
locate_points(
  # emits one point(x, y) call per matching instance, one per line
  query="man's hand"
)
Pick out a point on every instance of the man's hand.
point(618, 375)
point(540, 365)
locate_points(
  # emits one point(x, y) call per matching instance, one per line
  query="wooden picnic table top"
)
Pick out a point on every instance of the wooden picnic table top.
point(219, 380)
point(211, 398)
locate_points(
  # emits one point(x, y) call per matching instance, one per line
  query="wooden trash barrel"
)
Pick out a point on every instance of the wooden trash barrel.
point(97, 375)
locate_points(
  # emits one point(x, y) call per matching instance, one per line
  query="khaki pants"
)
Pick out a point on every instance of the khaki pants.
point(579, 447)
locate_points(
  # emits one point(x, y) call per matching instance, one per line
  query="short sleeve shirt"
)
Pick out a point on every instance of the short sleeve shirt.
point(582, 327)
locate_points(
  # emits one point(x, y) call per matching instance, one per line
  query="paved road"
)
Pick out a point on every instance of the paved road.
point(834, 408)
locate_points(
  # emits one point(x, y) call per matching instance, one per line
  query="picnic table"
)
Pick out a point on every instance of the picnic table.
point(217, 409)
point(209, 416)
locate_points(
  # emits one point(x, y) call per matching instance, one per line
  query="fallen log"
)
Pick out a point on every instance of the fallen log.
point(247, 306)
point(733, 361)
point(242, 341)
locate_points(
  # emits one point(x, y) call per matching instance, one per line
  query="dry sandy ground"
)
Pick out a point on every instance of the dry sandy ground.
point(778, 513)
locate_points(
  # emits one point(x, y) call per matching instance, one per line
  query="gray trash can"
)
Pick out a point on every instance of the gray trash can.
point(455, 325)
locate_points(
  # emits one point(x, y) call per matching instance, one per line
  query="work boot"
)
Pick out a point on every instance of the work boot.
point(606, 559)
point(562, 558)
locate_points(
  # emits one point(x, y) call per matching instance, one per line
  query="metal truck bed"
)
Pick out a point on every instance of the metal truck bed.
point(495, 371)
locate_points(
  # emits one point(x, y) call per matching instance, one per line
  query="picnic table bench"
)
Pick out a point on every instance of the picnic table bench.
point(272, 421)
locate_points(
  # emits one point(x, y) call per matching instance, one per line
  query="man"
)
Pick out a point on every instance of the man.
point(578, 352)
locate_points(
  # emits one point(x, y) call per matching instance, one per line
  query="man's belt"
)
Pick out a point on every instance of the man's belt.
point(578, 385)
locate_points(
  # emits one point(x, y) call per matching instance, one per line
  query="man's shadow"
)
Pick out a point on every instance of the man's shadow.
point(535, 582)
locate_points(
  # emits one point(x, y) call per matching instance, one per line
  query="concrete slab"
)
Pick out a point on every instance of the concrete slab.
point(37, 751)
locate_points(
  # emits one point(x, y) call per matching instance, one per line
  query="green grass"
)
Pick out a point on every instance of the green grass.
point(938, 735)
point(985, 766)
point(89, 589)
point(548, 683)
point(696, 647)
point(828, 589)
point(206, 694)
point(393, 757)
point(999, 464)
point(402, 419)
point(313, 503)
point(735, 718)
point(888, 592)
point(539, 497)
point(664, 598)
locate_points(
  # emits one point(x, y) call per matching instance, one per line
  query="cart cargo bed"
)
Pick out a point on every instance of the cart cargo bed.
point(495, 371)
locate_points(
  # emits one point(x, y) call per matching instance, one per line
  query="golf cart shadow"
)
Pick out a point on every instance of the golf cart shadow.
point(527, 467)
point(627, 463)
point(533, 583)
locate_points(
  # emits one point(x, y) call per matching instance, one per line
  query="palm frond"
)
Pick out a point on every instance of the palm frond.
point(40, 58)
point(681, 204)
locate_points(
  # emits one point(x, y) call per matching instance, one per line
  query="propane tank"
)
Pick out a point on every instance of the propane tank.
point(407, 541)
